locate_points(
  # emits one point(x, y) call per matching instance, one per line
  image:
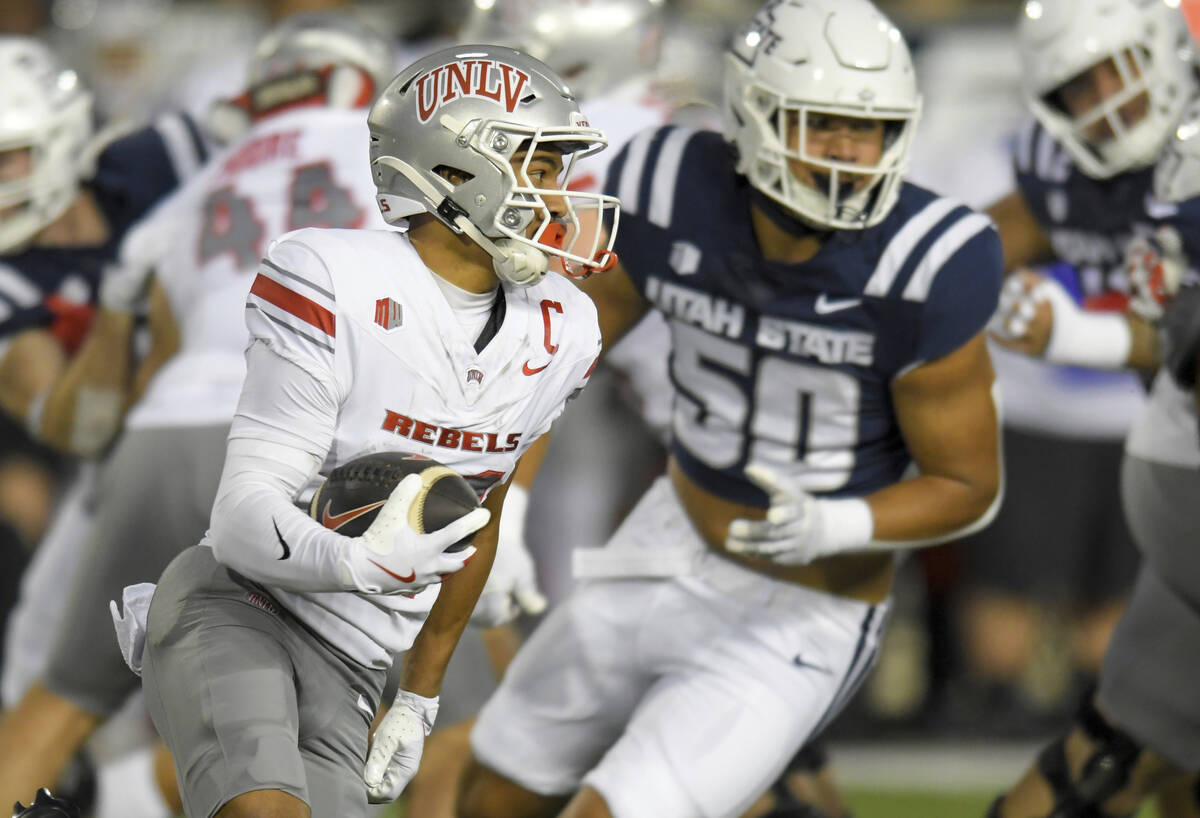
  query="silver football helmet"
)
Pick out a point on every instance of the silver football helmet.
point(465, 113)
point(45, 127)
point(1148, 44)
point(798, 59)
point(593, 46)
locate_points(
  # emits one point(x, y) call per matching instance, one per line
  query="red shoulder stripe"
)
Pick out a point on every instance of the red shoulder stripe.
point(306, 310)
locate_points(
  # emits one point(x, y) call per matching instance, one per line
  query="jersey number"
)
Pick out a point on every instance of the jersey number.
point(230, 225)
point(793, 412)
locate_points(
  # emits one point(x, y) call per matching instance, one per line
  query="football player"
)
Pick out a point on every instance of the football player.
point(67, 199)
point(827, 336)
point(1121, 118)
point(311, 82)
point(268, 643)
point(1106, 83)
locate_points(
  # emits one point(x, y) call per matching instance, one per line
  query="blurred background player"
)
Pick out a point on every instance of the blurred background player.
point(310, 84)
point(474, 185)
point(793, 335)
point(1106, 82)
point(1140, 733)
point(69, 198)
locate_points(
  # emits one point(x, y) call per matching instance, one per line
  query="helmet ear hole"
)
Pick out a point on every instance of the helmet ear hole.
point(455, 176)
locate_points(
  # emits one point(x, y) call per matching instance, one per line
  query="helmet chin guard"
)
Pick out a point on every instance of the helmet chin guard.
point(480, 115)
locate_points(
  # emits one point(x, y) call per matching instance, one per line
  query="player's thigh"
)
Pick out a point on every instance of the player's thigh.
point(1147, 682)
point(337, 700)
point(1160, 503)
point(44, 596)
point(220, 686)
point(744, 683)
point(566, 695)
point(155, 494)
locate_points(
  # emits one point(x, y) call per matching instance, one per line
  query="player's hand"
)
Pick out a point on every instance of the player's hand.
point(1155, 265)
point(1024, 319)
point(390, 557)
point(792, 528)
point(511, 587)
point(124, 285)
point(397, 745)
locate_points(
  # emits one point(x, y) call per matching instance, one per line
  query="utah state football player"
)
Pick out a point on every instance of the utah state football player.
point(827, 336)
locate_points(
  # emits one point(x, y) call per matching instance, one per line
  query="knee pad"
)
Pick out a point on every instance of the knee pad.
point(1104, 773)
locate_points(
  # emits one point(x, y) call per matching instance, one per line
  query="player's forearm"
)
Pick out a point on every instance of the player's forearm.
point(425, 663)
point(258, 532)
point(29, 365)
point(928, 509)
point(82, 412)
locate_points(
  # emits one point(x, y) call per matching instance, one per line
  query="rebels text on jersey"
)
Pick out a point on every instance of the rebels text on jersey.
point(791, 364)
point(360, 312)
point(132, 174)
point(1090, 221)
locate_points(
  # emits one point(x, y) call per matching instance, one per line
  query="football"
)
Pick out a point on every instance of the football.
point(349, 500)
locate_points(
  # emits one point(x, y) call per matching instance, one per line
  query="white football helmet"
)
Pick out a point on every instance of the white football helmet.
point(465, 112)
point(315, 58)
point(834, 57)
point(1147, 41)
point(593, 45)
point(43, 109)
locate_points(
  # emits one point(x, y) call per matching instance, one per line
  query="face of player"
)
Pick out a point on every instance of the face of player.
point(543, 171)
point(16, 164)
point(847, 139)
point(1081, 95)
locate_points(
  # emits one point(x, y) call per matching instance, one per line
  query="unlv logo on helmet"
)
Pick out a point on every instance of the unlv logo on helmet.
point(484, 79)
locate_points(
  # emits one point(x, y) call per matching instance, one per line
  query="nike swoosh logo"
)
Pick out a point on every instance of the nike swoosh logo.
point(798, 661)
point(336, 521)
point(408, 578)
point(824, 305)
point(527, 370)
point(287, 552)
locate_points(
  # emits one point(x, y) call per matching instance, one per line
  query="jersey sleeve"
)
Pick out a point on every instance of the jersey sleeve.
point(964, 290)
point(146, 164)
point(291, 309)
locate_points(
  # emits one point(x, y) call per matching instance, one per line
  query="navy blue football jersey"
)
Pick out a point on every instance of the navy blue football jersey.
point(1090, 221)
point(132, 174)
point(790, 365)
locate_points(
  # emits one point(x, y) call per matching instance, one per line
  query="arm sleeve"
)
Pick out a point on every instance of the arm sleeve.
point(282, 430)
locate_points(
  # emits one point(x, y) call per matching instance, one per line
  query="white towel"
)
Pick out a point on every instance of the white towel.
point(131, 627)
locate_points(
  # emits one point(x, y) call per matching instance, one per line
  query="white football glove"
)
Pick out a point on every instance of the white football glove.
point(511, 587)
point(390, 557)
point(1155, 266)
point(397, 745)
point(799, 528)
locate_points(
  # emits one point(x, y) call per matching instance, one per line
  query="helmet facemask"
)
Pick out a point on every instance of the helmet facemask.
point(1117, 131)
point(844, 195)
point(44, 161)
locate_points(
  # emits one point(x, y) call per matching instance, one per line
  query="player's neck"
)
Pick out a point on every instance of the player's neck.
point(82, 224)
point(778, 244)
point(452, 256)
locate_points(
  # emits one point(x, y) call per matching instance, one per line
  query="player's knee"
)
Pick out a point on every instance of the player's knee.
point(484, 793)
point(1104, 773)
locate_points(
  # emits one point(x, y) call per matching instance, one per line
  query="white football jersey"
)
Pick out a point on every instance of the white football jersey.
point(361, 313)
point(305, 168)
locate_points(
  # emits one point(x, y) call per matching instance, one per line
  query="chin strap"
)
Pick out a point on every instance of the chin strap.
point(515, 263)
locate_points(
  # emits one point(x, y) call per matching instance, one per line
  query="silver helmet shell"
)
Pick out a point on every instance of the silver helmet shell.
point(835, 57)
point(465, 113)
